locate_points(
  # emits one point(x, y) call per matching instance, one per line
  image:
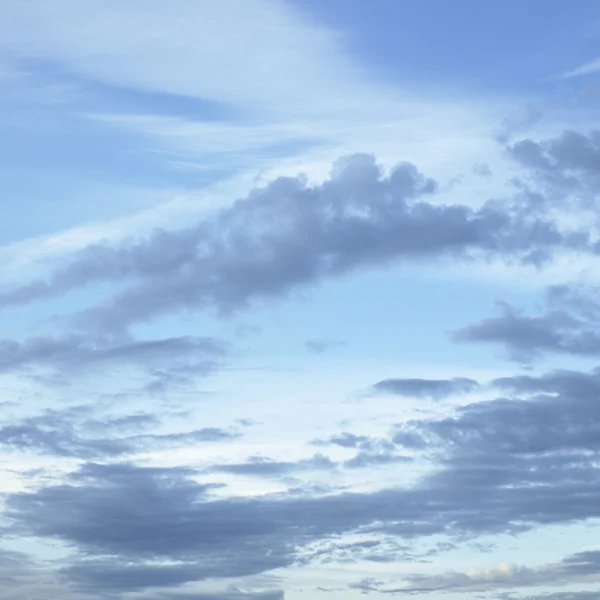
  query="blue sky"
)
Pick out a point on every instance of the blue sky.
point(298, 299)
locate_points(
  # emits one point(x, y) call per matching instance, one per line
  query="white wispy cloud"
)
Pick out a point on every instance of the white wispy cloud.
point(257, 55)
point(588, 68)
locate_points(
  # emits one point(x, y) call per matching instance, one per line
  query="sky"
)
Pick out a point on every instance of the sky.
point(299, 300)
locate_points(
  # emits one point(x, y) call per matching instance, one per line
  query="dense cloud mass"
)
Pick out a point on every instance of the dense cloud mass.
point(289, 234)
point(560, 416)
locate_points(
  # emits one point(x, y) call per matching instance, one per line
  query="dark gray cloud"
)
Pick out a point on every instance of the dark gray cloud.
point(166, 361)
point(62, 433)
point(74, 350)
point(290, 234)
point(230, 593)
point(109, 576)
point(31, 436)
point(370, 458)
point(559, 416)
point(505, 465)
point(436, 389)
point(346, 440)
point(142, 515)
point(371, 451)
point(121, 423)
point(566, 384)
point(259, 466)
point(566, 163)
point(567, 323)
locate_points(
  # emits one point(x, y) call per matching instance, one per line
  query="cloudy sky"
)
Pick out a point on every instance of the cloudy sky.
point(299, 299)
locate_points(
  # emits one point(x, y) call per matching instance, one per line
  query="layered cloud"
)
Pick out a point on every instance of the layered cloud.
point(507, 465)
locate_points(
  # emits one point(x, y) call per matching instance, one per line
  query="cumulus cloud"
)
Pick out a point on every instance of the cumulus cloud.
point(291, 234)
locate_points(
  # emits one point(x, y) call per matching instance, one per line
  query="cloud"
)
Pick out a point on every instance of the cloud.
point(558, 417)
point(63, 433)
point(583, 567)
point(358, 218)
point(504, 465)
point(346, 439)
point(376, 550)
point(168, 361)
point(366, 445)
point(212, 54)
point(555, 596)
point(365, 459)
point(223, 538)
point(118, 424)
point(109, 576)
point(24, 577)
point(566, 324)
point(230, 593)
point(319, 346)
point(566, 167)
point(587, 69)
point(259, 466)
point(436, 389)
